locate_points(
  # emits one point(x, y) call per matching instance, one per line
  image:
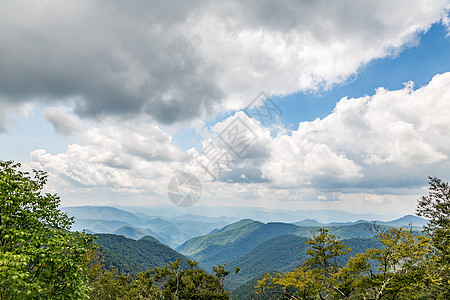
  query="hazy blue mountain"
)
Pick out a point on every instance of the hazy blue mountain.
point(400, 222)
point(173, 232)
point(348, 223)
point(103, 213)
point(309, 222)
point(258, 213)
point(130, 232)
point(406, 221)
point(134, 256)
point(97, 225)
point(204, 219)
point(358, 230)
point(176, 232)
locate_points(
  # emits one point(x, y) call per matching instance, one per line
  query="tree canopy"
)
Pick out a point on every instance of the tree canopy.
point(39, 257)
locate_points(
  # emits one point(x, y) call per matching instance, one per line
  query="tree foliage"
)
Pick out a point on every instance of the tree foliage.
point(315, 278)
point(169, 282)
point(436, 207)
point(39, 257)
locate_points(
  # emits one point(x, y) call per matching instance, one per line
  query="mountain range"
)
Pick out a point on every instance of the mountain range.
point(174, 231)
point(135, 242)
point(258, 247)
point(233, 214)
point(408, 220)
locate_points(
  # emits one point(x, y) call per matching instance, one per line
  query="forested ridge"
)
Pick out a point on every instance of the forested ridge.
point(42, 258)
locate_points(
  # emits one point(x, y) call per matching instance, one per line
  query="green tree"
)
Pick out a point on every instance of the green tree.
point(170, 282)
point(436, 207)
point(316, 277)
point(397, 270)
point(39, 257)
point(193, 283)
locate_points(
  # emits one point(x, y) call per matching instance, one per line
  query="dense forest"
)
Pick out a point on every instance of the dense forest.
point(42, 257)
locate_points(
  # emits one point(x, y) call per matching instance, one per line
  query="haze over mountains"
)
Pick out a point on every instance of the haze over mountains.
point(174, 231)
point(255, 213)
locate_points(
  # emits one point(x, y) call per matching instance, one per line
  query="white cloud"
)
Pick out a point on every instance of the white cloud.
point(391, 133)
point(133, 156)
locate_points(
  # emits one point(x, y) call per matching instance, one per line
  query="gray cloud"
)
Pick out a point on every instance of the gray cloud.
point(62, 122)
point(114, 59)
point(8, 109)
point(176, 60)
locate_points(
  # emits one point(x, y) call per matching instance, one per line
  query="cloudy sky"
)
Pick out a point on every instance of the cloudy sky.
point(292, 104)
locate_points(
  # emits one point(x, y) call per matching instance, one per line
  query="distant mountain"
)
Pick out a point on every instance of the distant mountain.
point(204, 219)
point(103, 213)
point(130, 232)
point(404, 221)
point(347, 223)
point(257, 213)
point(177, 232)
point(309, 222)
point(173, 232)
point(98, 225)
point(134, 256)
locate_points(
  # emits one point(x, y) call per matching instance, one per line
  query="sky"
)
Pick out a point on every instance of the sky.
point(291, 105)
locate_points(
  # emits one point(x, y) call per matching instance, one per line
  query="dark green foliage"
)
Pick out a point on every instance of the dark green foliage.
point(280, 253)
point(131, 257)
point(170, 282)
point(247, 291)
